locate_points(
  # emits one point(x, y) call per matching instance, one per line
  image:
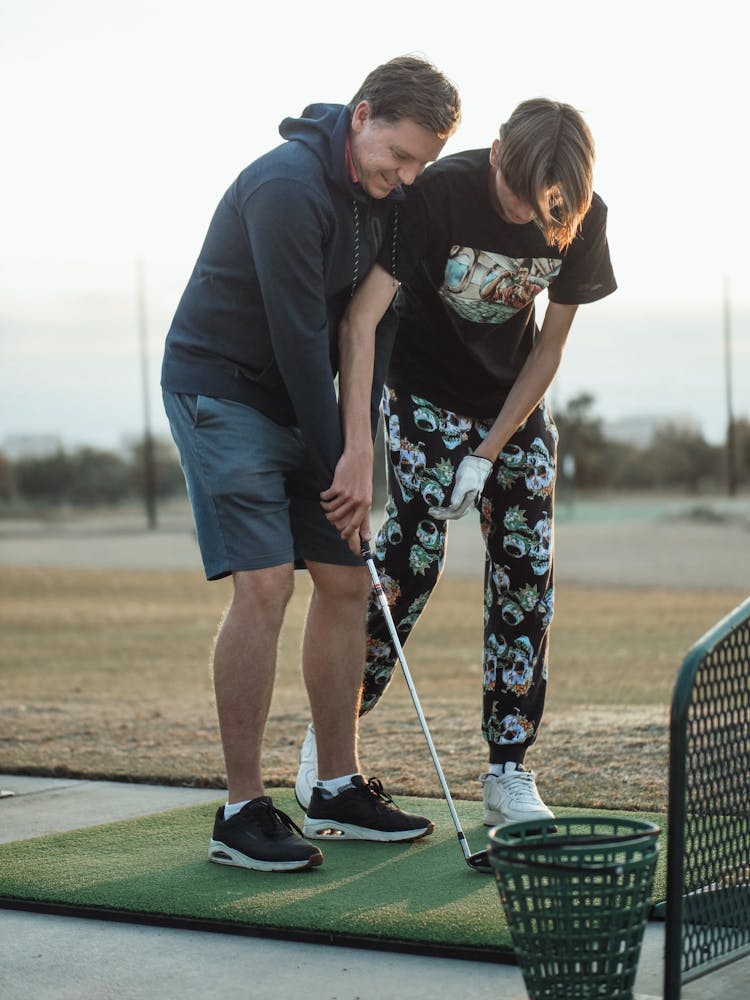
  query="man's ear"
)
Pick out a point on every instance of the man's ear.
point(361, 116)
point(494, 153)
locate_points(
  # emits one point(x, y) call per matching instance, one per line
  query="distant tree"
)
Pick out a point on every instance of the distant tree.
point(170, 481)
point(7, 479)
point(582, 438)
point(742, 450)
point(680, 457)
point(630, 470)
point(87, 476)
point(100, 477)
point(48, 479)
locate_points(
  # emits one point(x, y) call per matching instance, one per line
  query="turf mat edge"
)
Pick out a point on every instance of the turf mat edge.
point(499, 956)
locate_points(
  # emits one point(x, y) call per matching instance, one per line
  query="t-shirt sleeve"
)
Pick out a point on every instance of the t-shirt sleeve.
point(586, 273)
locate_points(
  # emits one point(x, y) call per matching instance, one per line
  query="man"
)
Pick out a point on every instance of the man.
point(248, 380)
point(480, 234)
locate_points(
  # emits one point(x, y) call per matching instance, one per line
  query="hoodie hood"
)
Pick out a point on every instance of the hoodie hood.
point(324, 129)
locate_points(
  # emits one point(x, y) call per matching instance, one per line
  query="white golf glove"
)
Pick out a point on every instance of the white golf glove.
point(471, 476)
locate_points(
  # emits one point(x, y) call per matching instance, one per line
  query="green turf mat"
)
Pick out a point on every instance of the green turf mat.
point(411, 896)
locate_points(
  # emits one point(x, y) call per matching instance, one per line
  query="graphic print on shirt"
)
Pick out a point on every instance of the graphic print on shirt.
point(485, 287)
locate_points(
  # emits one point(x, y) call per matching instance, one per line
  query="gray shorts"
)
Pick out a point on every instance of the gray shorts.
point(251, 485)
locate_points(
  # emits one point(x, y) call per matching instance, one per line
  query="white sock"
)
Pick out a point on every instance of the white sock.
point(332, 786)
point(232, 808)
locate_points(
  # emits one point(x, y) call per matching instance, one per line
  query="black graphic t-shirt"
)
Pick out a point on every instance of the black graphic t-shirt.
point(469, 281)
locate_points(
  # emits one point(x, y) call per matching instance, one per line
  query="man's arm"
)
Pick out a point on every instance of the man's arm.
point(348, 500)
point(529, 388)
point(284, 221)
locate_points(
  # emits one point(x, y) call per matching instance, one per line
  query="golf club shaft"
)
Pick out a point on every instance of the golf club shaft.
point(382, 600)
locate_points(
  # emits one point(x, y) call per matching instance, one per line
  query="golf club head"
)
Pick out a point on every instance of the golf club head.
point(480, 862)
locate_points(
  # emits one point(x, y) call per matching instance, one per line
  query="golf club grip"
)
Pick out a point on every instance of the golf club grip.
point(383, 602)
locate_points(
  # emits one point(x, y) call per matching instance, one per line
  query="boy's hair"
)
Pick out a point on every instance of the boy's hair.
point(546, 157)
point(410, 87)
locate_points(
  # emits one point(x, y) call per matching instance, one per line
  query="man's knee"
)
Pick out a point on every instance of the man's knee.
point(341, 583)
point(266, 591)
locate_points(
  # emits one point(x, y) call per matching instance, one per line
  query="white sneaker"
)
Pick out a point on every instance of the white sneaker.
point(307, 774)
point(512, 796)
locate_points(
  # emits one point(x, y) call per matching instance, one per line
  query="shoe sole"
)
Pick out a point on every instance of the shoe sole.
point(220, 854)
point(498, 819)
point(331, 829)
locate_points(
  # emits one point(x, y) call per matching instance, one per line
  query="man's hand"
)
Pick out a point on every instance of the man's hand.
point(348, 499)
point(471, 476)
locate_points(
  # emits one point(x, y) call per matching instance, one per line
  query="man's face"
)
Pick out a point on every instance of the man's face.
point(507, 205)
point(387, 155)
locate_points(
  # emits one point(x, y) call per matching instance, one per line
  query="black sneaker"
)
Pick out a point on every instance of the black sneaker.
point(261, 837)
point(364, 812)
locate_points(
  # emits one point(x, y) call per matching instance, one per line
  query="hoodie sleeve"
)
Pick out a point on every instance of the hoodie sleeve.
point(286, 225)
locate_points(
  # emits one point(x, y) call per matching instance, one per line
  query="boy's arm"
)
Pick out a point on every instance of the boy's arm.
point(348, 500)
point(528, 390)
point(533, 380)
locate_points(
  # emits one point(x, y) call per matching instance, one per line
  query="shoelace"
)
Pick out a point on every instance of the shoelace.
point(522, 787)
point(269, 817)
point(375, 787)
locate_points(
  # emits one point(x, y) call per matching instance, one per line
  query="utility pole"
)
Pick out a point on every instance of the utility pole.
point(731, 450)
point(149, 465)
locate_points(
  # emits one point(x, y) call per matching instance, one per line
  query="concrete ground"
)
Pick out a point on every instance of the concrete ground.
point(70, 958)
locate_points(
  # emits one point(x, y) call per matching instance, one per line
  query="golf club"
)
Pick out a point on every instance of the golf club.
point(479, 861)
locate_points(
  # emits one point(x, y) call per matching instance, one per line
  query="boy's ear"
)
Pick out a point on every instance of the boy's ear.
point(494, 153)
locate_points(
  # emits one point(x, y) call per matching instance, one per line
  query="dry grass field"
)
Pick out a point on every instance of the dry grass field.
point(105, 674)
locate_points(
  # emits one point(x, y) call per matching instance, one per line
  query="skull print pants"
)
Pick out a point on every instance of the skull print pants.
point(426, 444)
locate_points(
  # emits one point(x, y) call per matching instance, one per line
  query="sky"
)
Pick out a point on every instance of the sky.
point(124, 122)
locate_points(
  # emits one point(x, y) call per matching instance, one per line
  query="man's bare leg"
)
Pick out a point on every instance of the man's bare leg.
point(244, 667)
point(333, 656)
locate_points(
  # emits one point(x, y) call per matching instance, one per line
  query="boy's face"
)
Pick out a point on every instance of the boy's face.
point(507, 205)
point(387, 155)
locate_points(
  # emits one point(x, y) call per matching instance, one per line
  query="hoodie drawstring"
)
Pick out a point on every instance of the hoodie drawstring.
point(393, 246)
point(355, 276)
point(394, 240)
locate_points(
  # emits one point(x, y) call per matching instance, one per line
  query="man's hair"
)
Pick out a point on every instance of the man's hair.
point(546, 156)
point(410, 87)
